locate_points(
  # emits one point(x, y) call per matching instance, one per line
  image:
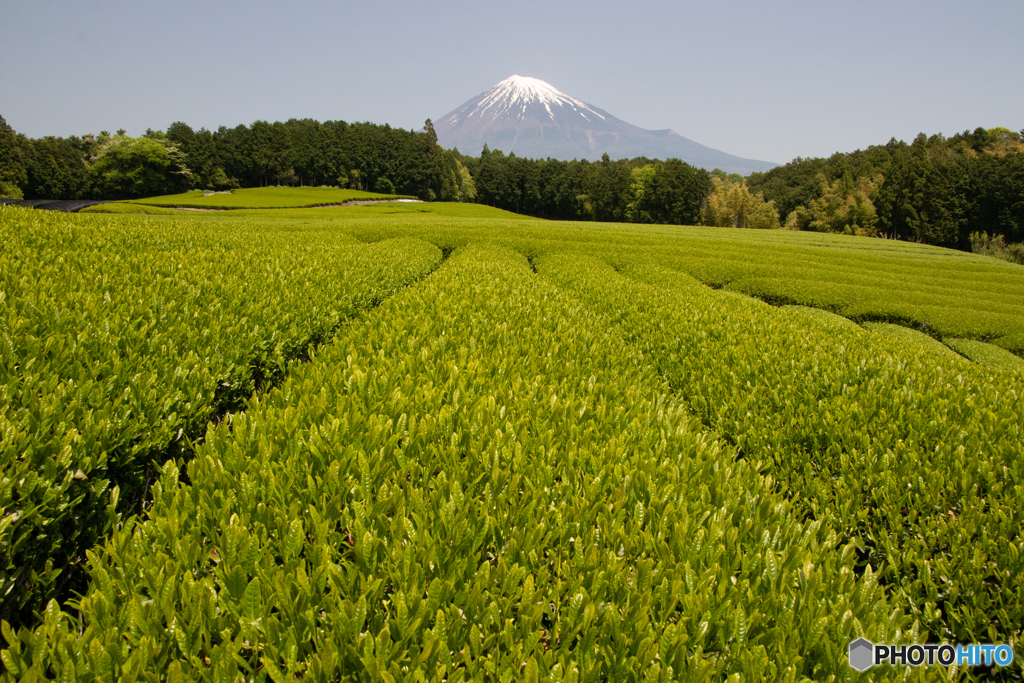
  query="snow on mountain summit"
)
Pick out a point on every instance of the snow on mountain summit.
point(532, 118)
point(515, 95)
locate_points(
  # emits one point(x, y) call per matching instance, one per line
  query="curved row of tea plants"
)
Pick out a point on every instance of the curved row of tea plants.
point(479, 480)
point(915, 455)
point(266, 198)
point(987, 354)
point(119, 342)
point(941, 292)
point(946, 293)
point(125, 207)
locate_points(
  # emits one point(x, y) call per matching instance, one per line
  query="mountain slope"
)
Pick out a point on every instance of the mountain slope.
point(535, 120)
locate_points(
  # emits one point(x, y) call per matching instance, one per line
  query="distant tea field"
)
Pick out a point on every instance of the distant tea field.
point(442, 442)
point(263, 198)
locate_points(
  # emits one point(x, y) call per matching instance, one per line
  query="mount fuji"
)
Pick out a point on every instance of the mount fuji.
point(536, 120)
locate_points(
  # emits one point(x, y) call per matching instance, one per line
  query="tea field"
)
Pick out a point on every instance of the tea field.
point(263, 198)
point(128, 207)
point(435, 442)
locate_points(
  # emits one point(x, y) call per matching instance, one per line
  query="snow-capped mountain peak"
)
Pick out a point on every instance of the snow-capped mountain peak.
point(516, 94)
point(523, 90)
point(535, 119)
point(521, 98)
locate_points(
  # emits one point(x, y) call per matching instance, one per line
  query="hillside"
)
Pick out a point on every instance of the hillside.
point(434, 441)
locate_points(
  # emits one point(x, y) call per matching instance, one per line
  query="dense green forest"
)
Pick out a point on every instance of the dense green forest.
point(964, 192)
point(630, 191)
point(361, 156)
point(935, 190)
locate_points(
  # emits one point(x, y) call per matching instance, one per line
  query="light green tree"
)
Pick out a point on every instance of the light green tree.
point(467, 188)
point(642, 177)
point(138, 167)
point(844, 207)
point(731, 204)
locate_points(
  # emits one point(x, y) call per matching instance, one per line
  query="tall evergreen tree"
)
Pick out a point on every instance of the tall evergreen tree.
point(57, 170)
point(13, 171)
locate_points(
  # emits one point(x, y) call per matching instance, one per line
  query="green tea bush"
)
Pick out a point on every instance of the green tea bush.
point(126, 207)
point(915, 342)
point(120, 342)
point(913, 454)
point(947, 293)
point(480, 480)
point(607, 471)
point(267, 198)
point(987, 354)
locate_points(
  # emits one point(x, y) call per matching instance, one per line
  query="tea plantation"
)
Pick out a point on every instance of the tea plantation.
point(433, 442)
point(264, 198)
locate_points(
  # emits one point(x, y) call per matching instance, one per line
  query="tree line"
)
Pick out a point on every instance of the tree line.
point(935, 190)
point(364, 156)
point(628, 190)
point(960, 192)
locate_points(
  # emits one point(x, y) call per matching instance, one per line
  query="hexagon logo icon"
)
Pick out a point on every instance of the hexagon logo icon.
point(861, 654)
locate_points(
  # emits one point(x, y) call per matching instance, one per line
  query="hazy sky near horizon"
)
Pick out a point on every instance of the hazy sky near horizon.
point(769, 81)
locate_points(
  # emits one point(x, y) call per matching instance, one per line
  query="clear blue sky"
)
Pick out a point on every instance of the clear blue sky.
point(760, 80)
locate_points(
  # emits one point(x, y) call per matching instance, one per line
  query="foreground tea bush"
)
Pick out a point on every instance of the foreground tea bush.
point(118, 342)
point(988, 355)
point(479, 480)
point(911, 342)
point(914, 454)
